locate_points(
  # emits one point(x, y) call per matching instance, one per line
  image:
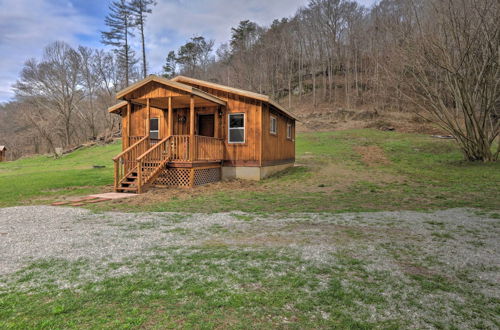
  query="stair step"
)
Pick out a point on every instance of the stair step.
point(126, 189)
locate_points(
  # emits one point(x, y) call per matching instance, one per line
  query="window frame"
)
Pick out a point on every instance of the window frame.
point(275, 132)
point(289, 131)
point(157, 131)
point(229, 128)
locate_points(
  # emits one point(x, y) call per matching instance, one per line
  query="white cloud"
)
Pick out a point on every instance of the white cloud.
point(182, 19)
point(28, 26)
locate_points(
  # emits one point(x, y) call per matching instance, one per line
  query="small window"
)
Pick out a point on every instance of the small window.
point(236, 128)
point(289, 131)
point(273, 125)
point(154, 131)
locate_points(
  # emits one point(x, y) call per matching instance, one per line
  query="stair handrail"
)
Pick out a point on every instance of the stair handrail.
point(117, 157)
point(142, 158)
point(150, 150)
point(120, 168)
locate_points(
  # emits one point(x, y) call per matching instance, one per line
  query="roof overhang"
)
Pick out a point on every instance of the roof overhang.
point(237, 91)
point(117, 107)
point(2, 148)
point(172, 84)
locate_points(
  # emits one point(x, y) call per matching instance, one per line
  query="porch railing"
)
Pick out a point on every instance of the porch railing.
point(180, 147)
point(150, 163)
point(209, 148)
point(126, 161)
point(133, 139)
point(148, 157)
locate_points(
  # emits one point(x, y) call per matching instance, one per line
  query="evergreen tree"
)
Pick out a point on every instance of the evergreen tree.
point(170, 65)
point(139, 10)
point(120, 21)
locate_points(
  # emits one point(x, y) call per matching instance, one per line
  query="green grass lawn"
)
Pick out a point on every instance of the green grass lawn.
point(356, 170)
point(41, 179)
point(267, 267)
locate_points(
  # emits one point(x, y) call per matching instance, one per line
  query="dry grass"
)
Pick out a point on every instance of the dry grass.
point(372, 155)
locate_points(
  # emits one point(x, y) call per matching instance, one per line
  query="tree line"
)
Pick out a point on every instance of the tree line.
point(438, 58)
point(61, 99)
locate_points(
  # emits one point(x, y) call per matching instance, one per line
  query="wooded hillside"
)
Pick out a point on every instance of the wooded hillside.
point(417, 61)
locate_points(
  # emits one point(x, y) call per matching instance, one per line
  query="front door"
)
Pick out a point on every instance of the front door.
point(206, 125)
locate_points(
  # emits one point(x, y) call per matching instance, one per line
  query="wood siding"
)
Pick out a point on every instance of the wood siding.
point(248, 153)
point(277, 147)
point(260, 148)
point(139, 120)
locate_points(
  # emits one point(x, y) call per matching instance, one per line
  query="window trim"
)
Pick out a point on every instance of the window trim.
point(271, 117)
point(229, 128)
point(289, 131)
point(156, 131)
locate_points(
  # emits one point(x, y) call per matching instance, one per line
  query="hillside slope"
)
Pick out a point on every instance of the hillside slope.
point(335, 115)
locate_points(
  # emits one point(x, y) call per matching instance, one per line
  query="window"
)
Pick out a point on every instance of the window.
point(273, 125)
point(154, 131)
point(289, 131)
point(236, 128)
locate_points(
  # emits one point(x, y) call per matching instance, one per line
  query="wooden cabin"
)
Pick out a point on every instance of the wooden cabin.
point(3, 154)
point(186, 132)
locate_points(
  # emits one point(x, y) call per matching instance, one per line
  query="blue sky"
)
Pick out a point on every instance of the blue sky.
point(26, 26)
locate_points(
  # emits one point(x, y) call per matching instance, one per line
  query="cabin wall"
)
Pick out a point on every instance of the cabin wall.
point(240, 154)
point(261, 148)
point(139, 118)
point(277, 148)
point(181, 127)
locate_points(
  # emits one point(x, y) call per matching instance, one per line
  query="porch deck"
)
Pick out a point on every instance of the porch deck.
point(178, 160)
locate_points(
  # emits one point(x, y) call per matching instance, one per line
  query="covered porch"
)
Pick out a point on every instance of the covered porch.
point(168, 130)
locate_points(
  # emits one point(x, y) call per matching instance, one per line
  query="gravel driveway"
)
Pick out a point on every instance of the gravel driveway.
point(459, 236)
point(69, 247)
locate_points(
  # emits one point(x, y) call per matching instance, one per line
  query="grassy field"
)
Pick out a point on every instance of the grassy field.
point(357, 170)
point(284, 254)
point(41, 179)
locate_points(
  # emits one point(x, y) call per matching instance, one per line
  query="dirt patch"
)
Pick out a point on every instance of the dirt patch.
point(162, 194)
point(412, 269)
point(334, 177)
point(372, 155)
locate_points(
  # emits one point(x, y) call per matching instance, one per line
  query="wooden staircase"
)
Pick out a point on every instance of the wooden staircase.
point(140, 164)
point(129, 183)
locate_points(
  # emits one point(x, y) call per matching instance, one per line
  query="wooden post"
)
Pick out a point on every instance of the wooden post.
point(149, 116)
point(139, 177)
point(129, 123)
point(216, 122)
point(170, 117)
point(191, 178)
point(192, 149)
point(116, 174)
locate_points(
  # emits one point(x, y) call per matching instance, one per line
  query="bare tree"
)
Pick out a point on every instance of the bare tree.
point(53, 84)
point(451, 71)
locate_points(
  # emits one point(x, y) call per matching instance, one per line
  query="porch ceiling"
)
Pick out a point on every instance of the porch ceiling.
point(178, 102)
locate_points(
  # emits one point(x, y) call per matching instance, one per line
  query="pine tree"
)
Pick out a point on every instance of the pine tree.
point(170, 65)
point(120, 21)
point(139, 10)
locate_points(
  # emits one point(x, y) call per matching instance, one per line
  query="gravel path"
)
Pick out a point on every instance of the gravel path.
point(457, 237)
